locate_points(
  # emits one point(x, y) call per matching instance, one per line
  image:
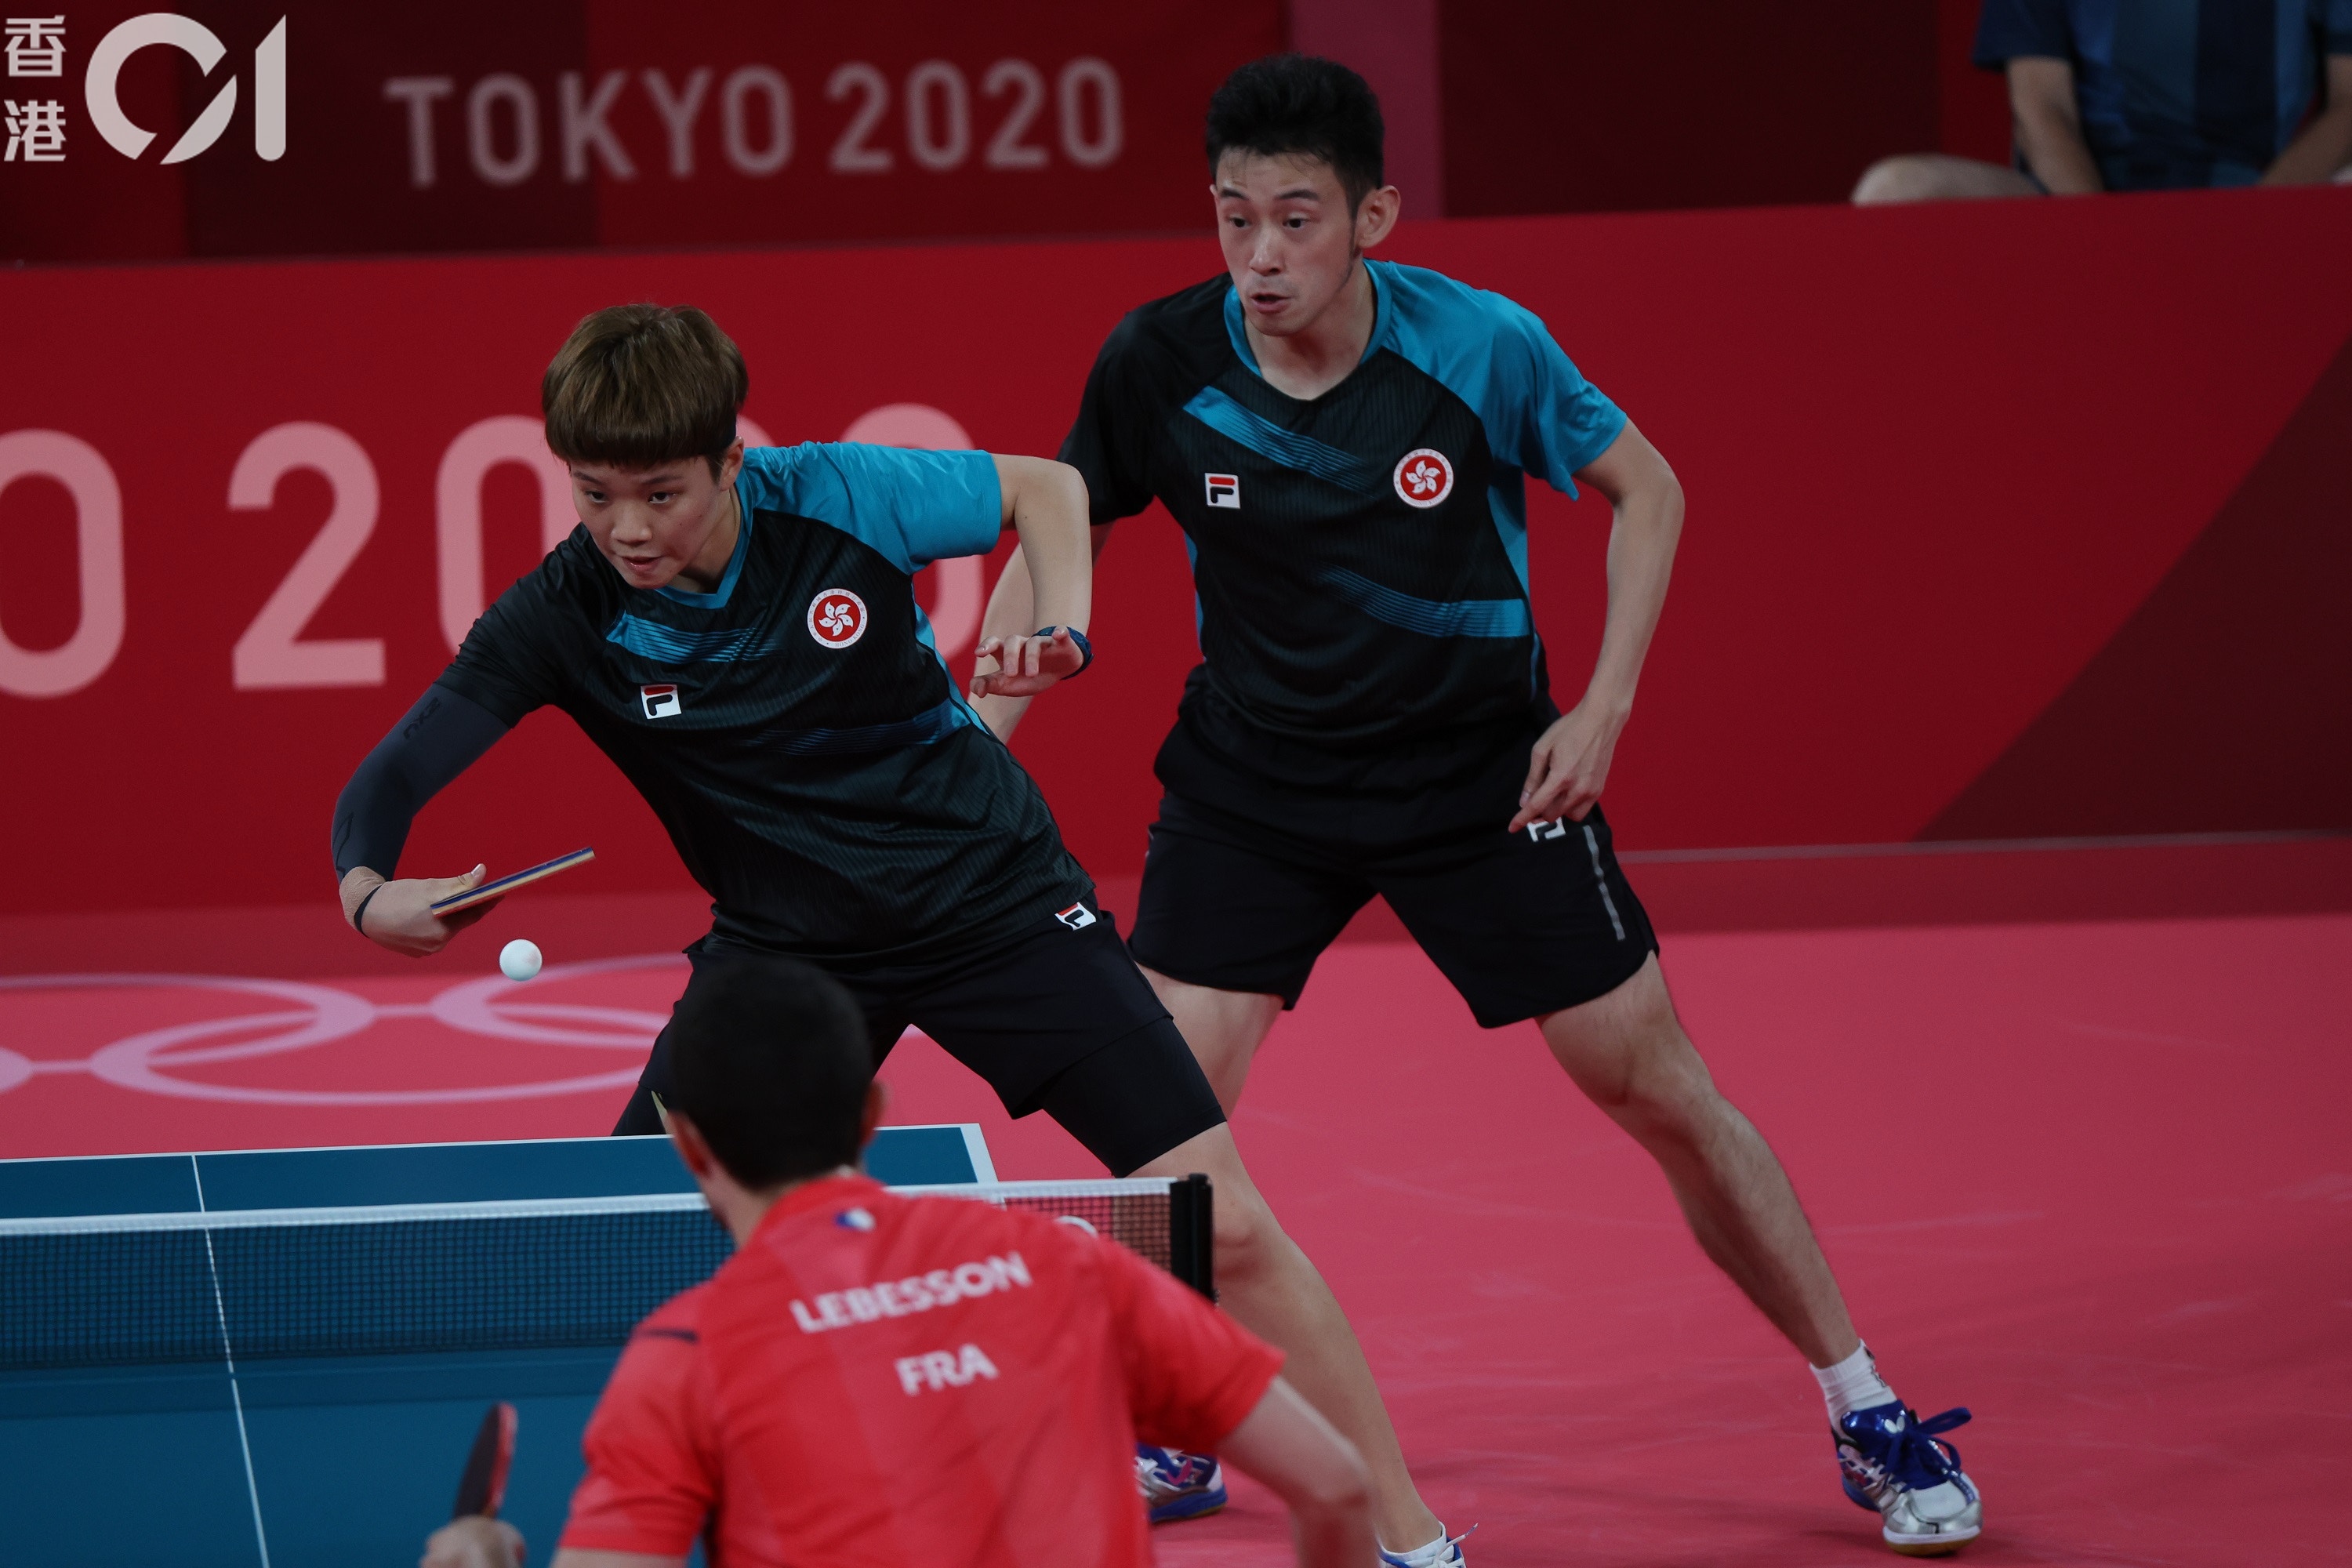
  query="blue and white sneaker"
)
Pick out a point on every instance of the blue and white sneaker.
point(1895, 1465)
point(1445, 1551)
point(1177, 1484)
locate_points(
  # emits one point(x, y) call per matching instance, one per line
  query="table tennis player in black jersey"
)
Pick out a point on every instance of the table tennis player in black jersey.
point(738, 631)
point(1346, 443)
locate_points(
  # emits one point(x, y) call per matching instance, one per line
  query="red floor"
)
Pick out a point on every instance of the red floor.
point(2093, 1180)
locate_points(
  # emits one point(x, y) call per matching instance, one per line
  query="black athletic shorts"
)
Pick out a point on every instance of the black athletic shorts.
point(1058, 1019)
point(1248, 881)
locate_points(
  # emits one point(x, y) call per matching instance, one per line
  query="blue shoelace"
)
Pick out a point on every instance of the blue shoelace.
point(1914, 1454)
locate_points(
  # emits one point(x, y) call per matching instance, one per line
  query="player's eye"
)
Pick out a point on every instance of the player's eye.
point(663, 498)
point(596, 496)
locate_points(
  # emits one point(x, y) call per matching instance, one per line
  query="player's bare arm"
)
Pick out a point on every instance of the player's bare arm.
point(1046, 505)
point(2048, 121)
point(1285, 1444)
point(1011, 605)
point(2325, 144)
point(1569, 764)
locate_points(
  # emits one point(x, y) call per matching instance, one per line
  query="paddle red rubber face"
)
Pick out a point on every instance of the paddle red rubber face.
point(483, 1485)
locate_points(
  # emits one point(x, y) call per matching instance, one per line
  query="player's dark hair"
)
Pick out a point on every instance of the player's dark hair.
point(1305, 106)
point(637, 386)
point(769, 1057)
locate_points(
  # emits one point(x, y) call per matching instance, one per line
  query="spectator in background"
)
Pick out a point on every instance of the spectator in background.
point(2144, 95)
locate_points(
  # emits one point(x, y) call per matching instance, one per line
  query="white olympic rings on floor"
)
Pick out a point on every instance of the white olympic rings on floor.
point(492, 1006)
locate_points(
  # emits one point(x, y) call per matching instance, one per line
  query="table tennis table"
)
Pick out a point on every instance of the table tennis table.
point(155, 1414)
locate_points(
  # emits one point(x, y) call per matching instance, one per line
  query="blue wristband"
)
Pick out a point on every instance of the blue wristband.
point(1086, 648)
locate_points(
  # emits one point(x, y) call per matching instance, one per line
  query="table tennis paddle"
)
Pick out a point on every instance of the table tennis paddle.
point(505, 884)
point(483, 1485)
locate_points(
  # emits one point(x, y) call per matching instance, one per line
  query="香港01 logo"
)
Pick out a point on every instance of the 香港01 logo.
point(836, 617)
point(38, 128)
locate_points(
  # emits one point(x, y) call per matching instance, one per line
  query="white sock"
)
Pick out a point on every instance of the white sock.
point(1425, 1556)
point(1853, 1384)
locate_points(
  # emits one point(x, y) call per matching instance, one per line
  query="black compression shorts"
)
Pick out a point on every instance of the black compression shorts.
point(1058, 1020)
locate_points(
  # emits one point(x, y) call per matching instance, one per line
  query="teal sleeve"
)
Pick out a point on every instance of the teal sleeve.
point(913, 507)
point(1554, 421)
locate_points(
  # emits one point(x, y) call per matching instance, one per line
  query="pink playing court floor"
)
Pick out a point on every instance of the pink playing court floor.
point(2093, 1180)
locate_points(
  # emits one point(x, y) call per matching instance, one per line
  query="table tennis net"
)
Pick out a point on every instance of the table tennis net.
point(441, 1278)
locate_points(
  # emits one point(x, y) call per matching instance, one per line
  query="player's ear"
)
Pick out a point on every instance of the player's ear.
point(693, 1151)
point(730, 463)
point(877, 1102)
point(1376, 214)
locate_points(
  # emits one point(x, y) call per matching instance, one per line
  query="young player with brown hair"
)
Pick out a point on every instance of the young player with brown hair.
point(738, 632)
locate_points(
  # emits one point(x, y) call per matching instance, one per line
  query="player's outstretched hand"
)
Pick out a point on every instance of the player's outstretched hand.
point(399, 914)
point(473, 1543)
point(1022, 667)
point(1569, 766)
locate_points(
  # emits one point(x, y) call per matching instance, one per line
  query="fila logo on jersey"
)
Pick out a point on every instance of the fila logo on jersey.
point(1078, 917)
point(1224, 490)
point(1423, 476)
point(836, 617)
point(661, 701)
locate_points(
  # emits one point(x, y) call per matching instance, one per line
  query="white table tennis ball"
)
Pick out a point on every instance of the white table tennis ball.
point(519, 959)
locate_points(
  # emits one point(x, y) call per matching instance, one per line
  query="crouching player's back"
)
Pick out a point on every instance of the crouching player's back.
point(880, 1382)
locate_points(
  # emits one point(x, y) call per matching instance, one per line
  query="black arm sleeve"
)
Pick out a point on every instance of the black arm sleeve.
point(438, 739)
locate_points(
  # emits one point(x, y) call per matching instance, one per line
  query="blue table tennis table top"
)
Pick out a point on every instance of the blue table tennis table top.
point(352, 1459)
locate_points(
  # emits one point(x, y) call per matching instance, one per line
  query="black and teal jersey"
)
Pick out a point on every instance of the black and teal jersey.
point(794, 730)
point(1359, 558)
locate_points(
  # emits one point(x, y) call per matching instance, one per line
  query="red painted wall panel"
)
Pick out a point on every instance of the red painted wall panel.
point(1972, 105)
point(1936, 459)
point(1585, 106)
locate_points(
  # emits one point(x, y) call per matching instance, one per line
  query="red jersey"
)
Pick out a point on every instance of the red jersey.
point(902, 1382)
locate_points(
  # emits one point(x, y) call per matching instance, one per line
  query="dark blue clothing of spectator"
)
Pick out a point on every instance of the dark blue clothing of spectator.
point(2178, 93)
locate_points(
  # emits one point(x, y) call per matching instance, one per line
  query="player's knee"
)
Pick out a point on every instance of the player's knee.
point(1247, 1238)
point(1665, 1092)
point(1342, 1486)
point(1677, 1109)
point(1907, 178)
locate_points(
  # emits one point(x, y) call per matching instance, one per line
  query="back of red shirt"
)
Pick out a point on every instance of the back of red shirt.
point(886, 1381)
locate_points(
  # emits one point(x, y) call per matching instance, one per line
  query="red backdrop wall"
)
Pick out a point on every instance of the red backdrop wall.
point(435, 125)
point(1984, 500)
point(1584, 105)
